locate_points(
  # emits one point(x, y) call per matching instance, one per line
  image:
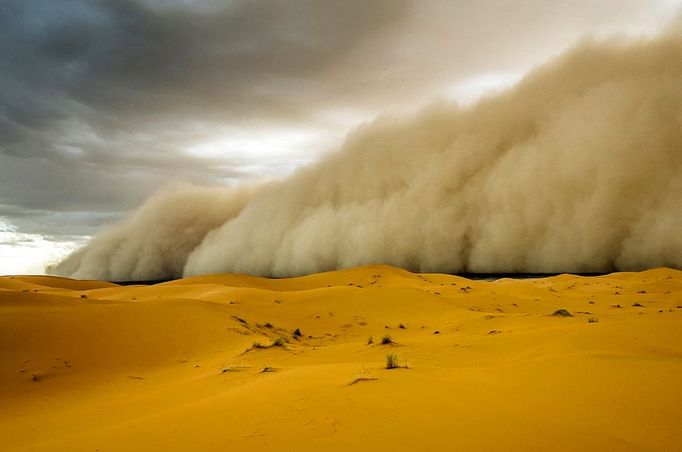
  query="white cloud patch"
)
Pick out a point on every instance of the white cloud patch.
point(27, 254)
point(471, 90)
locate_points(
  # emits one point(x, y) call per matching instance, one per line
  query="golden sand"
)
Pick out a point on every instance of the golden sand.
point(88, 366)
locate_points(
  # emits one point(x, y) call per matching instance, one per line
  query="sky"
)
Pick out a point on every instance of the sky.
point(103, 102)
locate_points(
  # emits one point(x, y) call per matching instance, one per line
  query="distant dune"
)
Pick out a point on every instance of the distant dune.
point(233, 362)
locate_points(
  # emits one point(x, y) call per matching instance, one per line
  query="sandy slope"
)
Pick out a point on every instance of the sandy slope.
point(94, 366)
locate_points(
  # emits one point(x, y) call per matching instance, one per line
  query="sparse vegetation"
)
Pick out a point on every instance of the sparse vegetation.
point(637, 305)
point(386, 339)
point(391, 361)
point(562, 313)
point(279, 341)
point(401, 326)
point(267, 369)
point(370, 341)
point(592, 320)
point(297, 332)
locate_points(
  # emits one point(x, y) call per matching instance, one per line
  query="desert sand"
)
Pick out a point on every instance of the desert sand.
point(482, 365)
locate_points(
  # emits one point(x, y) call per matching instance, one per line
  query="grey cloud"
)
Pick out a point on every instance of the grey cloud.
point(57, 225)
point(126, 57)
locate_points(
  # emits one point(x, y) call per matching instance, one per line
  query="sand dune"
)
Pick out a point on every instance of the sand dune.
point(88, 365)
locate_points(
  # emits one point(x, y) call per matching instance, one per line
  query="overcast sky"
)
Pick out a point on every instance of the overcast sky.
point(104, 101)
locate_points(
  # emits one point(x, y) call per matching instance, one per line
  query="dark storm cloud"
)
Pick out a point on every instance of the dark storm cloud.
point(116, 63)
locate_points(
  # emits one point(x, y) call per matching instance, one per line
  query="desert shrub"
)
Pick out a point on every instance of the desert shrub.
point(562, 313)
point(386, 339)
point(279, 341)
point(391, 361)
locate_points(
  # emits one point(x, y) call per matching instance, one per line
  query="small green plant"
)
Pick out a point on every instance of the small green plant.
point(386, 339)
point(279, 341)
point(391, 361)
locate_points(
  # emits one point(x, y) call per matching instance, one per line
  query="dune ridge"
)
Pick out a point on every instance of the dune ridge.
point(483, 365)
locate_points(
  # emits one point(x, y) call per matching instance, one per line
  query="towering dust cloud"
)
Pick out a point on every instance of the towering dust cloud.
point(578, 168)
point(153, 242)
